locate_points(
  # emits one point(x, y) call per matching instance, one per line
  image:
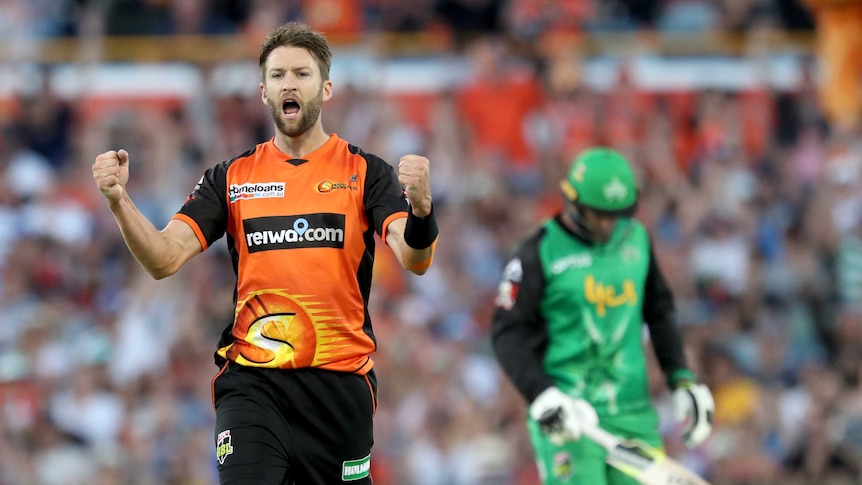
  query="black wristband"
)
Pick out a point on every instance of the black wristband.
point(420, 231)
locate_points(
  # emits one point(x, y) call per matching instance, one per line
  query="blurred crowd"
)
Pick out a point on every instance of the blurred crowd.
point(754, 199)
point(525, 19)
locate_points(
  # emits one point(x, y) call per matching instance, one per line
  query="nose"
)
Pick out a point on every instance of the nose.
point(288, 83)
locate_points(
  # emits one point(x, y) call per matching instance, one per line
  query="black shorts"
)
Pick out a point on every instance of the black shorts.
point(293, 427)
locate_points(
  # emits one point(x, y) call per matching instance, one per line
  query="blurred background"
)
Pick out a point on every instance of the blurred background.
point(741, 117)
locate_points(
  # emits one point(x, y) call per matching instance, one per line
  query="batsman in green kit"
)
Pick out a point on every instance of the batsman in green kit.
point(567, 328)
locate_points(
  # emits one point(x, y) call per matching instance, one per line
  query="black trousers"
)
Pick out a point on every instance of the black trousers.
point(293, 427)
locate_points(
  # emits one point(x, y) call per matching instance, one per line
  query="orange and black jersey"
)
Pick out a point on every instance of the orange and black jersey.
point(300, 233)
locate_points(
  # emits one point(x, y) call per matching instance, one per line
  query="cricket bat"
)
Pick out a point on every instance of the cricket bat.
point(644, 463)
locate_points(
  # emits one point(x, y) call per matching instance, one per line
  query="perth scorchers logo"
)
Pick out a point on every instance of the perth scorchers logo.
point(326, 186)
point(276, 329)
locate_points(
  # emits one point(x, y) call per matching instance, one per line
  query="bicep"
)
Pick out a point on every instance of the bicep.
point(395, 237)
point(414, 260)
point(183, 241)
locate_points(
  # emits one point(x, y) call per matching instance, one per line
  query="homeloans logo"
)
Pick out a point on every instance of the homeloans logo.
point(356, 469)
point(263, 190)
point(323, 230)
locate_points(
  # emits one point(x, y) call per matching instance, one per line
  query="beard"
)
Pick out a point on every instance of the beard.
point(307, 117)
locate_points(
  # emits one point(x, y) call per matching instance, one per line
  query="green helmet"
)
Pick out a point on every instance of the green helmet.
point(602, 180)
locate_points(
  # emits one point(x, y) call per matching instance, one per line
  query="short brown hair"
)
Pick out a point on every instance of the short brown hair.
point(297, 34)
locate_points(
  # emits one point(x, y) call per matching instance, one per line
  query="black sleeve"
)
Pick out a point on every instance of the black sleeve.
point(207, 204)
point(518, 332)
point(660, 315)
point(383, 193)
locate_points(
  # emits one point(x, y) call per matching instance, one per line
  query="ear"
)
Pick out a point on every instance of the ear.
point(263, 93)
point(327, 90)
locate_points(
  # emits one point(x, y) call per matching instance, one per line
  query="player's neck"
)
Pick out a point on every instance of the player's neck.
point(299, 146)
point(574, 223)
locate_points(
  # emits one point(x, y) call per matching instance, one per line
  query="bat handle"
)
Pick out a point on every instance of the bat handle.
point(602, 437)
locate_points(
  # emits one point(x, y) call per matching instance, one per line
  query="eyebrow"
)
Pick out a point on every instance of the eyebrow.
point(293, 68)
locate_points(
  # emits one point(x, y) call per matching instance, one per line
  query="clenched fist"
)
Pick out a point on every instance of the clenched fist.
point(413, 175)
point(111, 173)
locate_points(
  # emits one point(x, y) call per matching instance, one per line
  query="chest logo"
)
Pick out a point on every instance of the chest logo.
point(326, 186)
point(323, 230)
point(603, 296)
point(262, 190)
point(572, 261)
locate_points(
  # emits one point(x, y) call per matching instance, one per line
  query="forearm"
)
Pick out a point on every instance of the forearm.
point(155, 253)
point(418, 260)
point(660, 315)
point(669, 350)
point(420, 237)
point(414, 240)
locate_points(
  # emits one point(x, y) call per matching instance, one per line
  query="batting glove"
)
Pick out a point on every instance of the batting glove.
point(694, 408)
point(561, 416)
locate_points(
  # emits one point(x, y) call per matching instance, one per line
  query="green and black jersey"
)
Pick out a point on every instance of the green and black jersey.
point(570, 313)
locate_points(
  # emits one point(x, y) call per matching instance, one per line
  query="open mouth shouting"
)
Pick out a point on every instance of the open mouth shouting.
point(290, 109)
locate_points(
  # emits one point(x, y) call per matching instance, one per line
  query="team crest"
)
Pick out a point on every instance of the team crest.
point(615, 190)
point(326, 186)
point(223, 446)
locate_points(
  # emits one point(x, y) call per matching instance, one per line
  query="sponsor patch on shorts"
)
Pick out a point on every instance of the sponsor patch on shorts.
point(356, 469)
point(223, 446)
point(563, 467)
